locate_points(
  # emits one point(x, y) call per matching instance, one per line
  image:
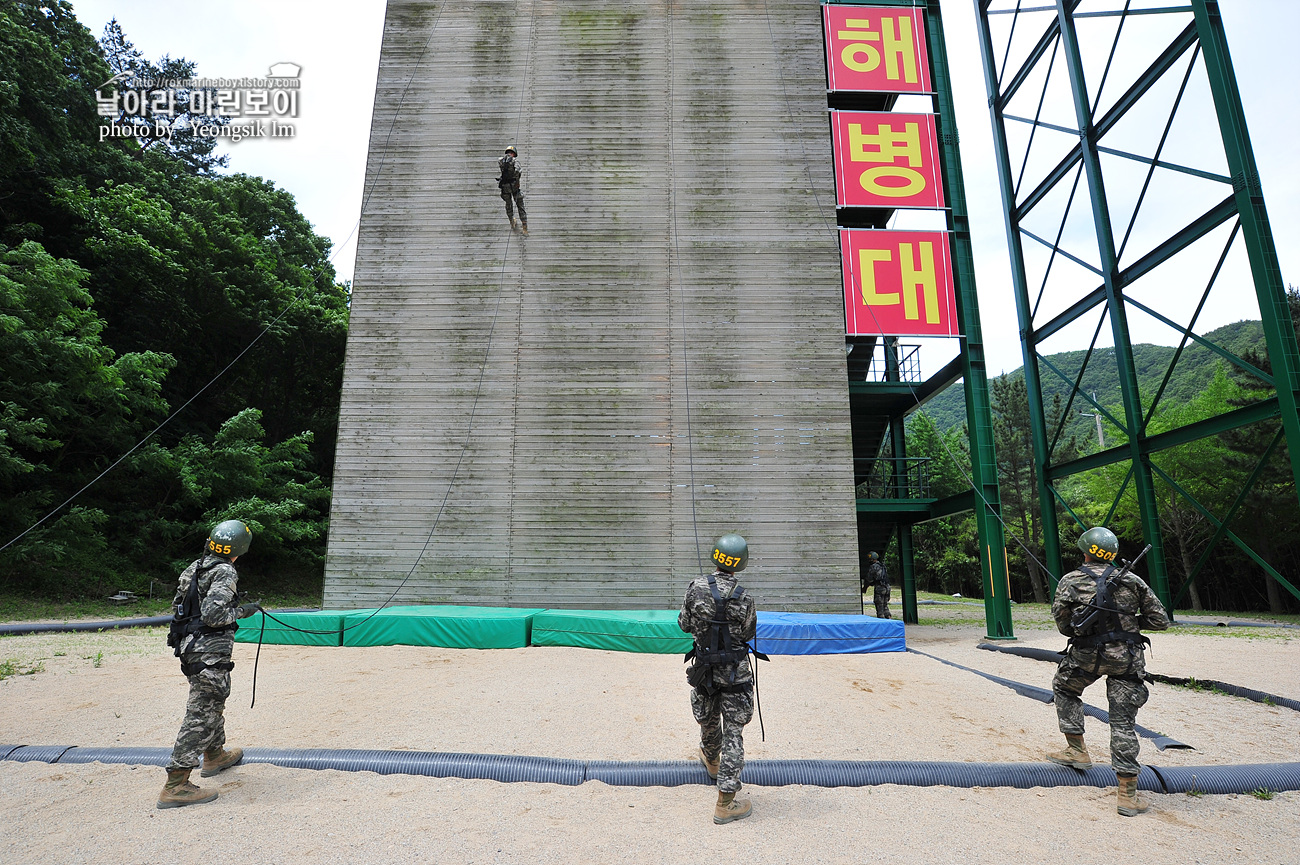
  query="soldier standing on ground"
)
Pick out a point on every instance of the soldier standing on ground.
point(721, 617)
point(1111, 647)
point(877, 576)
point(205, 643)
point(508, 181)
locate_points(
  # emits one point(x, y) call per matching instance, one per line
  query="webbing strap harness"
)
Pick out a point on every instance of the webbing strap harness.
point(1100, 614)
point(188, 618)
point(717, 650)
point(193, 669)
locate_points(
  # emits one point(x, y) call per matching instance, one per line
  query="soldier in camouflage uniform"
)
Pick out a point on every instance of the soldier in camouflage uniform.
point(1111, 647)
point(877, 576)
point(722, 694)
point(205, 648)
point(508, 182)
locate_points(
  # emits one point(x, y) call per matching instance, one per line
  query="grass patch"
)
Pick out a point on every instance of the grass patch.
point(14, 667)
point(19, 608)
point(1263, 793)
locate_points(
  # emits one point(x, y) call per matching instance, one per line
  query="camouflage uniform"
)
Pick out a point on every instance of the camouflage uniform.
point(510, 176)
point(877, 576)
point(204, 726)
point(723, 714)
point(1122, 663)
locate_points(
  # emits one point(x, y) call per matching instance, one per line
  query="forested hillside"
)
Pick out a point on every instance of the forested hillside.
point(132, 274)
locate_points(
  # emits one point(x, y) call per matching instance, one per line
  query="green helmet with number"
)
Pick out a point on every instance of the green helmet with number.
point(731, 553)
point(229, 539)
point(1100, 543)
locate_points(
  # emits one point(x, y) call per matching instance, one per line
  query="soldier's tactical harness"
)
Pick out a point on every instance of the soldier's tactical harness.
point(188, 620)
point(718, 651)
point(1097, 622)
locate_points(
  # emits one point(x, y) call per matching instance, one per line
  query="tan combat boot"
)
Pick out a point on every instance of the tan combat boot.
point(524, 229)
point(179, 792)
point(710, 766)
point(219, 760)
point(1075, 754)
point(1128, 801)
point(728, 809)
point(513, 223)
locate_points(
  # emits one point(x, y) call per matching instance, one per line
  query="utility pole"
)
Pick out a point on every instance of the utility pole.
point(1101, 439)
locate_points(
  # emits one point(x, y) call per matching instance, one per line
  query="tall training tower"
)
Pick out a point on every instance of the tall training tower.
point(568, 419)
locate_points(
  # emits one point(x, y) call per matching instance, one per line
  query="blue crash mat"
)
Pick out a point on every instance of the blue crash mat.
point(827, 634)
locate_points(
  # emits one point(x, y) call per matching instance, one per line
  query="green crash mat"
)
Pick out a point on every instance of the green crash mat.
point(329, 621)
point(653, 631)
point(449, 627)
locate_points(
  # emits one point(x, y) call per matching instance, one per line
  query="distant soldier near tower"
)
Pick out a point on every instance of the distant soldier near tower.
point(508, 181)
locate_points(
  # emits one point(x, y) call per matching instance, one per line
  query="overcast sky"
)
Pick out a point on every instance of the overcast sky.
point(337, 46)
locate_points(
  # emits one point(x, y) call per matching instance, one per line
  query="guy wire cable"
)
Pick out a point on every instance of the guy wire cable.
point(835, 232)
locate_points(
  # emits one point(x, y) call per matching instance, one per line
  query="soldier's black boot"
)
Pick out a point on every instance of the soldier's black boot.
point(218, 760)
point(728, 809)
point(179, 792)
point(1075, 754)
point(1129, 804)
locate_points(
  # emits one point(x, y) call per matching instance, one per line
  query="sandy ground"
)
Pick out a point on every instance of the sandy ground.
point(124, 689)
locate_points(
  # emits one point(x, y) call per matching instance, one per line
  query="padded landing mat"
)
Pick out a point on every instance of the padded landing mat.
point(449, 627)
point(827, 634)
point(327, 621)
point(653, 631)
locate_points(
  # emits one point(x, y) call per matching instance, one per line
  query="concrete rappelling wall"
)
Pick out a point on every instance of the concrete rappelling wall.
point(683, 256)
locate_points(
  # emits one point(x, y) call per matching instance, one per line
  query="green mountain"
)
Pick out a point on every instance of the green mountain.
point(1195, 367)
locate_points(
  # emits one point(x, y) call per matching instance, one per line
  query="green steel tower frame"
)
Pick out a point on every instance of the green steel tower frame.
point(895, 399)
point(1055, 40)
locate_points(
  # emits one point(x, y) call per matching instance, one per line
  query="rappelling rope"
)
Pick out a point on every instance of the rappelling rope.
point(677, 253)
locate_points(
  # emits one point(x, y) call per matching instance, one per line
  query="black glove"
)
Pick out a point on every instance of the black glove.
point(248, 609)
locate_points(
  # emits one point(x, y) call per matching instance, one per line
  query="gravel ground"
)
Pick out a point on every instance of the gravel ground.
point(124, 689)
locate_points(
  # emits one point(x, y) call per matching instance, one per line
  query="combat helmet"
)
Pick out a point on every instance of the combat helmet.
point(510, 148)
point(731, 553)
point(873, 556)
point(229, 539)
point(1100, 543)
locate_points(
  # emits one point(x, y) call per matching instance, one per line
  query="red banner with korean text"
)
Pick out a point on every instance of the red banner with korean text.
point(898, 283)
point(886, 160)
point(880, 50)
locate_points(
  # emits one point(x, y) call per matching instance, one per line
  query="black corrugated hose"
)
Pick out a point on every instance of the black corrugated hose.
point(1276, 777)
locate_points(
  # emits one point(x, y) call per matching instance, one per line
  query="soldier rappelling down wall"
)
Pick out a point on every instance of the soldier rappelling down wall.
point(511, 173)
point(1102, 610)
point(721, 617)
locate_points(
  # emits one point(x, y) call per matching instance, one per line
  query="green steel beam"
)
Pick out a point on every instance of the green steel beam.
point(1158, 67)
point(900, 510)
point(1028, 339)
point(1183, 238)
point(984, 465)
point(1279, 332)
point(1253, 413)
point(905, 557)
point(1129, 391)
